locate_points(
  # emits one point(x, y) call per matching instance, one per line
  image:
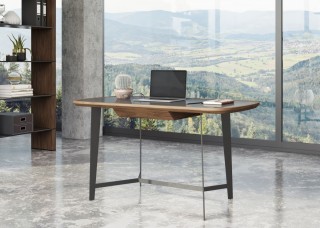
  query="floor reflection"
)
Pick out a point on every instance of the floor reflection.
point(278, 192)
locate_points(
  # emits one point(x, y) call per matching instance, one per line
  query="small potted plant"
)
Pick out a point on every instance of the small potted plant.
point(18, 47)
point(123, 86)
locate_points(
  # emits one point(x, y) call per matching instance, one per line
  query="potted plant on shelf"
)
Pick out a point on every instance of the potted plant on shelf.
point(18, 47)
point(123, 86)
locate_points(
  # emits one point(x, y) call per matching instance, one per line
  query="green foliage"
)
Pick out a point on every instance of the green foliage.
point(3, 106)
point(59, 103)
point(191, 127)
point(169, 126)
point(3, 74)
point(13, 67)
point(18, 43)
point(149, 124)
point(257, 124)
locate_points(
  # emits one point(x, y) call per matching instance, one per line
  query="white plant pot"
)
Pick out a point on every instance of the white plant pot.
point(123, 93)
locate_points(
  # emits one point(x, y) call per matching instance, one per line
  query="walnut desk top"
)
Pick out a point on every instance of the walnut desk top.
point(163, 111)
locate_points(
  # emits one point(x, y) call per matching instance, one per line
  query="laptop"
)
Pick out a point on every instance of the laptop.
point(167, 86)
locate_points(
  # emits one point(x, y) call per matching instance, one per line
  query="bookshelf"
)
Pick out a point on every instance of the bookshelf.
point(43, 80)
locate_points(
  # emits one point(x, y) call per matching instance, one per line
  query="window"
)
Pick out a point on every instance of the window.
point(301, 71)
point(227, 47)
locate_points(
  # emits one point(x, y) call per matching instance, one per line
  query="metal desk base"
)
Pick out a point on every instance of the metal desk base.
point(94, 145)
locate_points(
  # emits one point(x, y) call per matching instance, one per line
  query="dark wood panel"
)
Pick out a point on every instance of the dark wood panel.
point(51, 13)
point(44, 140)
point(43, 45)
point(44, 112)
point(152, 114)
point(44, 78)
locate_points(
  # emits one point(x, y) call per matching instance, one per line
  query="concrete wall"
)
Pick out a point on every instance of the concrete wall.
point(82, 62)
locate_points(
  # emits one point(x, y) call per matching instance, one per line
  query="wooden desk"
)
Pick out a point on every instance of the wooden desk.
point(161, 111)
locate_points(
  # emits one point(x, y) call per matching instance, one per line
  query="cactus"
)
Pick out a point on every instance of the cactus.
point(123, 81)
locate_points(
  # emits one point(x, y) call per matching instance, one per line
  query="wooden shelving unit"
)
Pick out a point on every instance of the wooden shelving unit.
point(43, 80)
point(28, 61)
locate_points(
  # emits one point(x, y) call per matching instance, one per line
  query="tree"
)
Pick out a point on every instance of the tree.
point(204, 124)
point(169, 126)
point(26, 74)
point(3, 74)
point(149, 124)
point(191, 128)
point(13, 67)
point(3, 106)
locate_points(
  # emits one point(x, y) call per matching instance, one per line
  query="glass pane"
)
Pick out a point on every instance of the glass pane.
point(59, 64)
point(227, 47)
point(301, 63)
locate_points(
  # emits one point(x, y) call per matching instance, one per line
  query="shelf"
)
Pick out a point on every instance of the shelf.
point(24, 26)
point(12, 99)
point(35, 130)
point(28, 61)
point(43, 72)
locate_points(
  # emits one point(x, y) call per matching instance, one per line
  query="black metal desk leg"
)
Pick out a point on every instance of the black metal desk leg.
point(94, 145)
point(226, 131)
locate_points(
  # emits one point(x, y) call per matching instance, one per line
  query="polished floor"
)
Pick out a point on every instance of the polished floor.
point(50, 189)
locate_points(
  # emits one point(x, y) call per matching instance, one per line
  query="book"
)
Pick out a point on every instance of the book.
point(218, 102)
point(16, 91)
point(15, 87)
point(32, 13)
point(8, 95)
point(39, 13)
point(44, 13)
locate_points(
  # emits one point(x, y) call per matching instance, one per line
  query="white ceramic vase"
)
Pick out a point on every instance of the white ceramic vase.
point(2, 8)
point(11, 18)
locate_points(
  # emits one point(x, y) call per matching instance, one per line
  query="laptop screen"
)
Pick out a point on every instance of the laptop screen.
point(168, 83)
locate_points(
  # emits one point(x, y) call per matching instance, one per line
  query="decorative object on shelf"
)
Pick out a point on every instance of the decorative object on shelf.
point(11, 58)
point(2, 10)
point(18, 47)
point(123, 86)
point(11, 18)
point(14, 78)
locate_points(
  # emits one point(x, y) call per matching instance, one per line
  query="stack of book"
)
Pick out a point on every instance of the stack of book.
point(22, 90)
point(218, 102)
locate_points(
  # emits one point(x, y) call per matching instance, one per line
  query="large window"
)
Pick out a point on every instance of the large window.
point(301, 71)
point(227, 47)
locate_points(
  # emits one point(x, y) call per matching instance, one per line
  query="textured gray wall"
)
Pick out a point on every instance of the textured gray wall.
point(82, 63)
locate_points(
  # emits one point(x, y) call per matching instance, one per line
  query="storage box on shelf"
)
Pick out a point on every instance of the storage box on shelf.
point(43, 78)
point(12, 123)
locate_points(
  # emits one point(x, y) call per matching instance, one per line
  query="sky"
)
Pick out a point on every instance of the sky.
point(185, 5)
point(229, 5)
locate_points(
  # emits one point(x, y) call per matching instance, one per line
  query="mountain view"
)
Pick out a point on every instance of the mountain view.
point(230, 56)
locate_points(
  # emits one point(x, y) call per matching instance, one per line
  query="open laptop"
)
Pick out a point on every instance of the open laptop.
point(167, 86)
